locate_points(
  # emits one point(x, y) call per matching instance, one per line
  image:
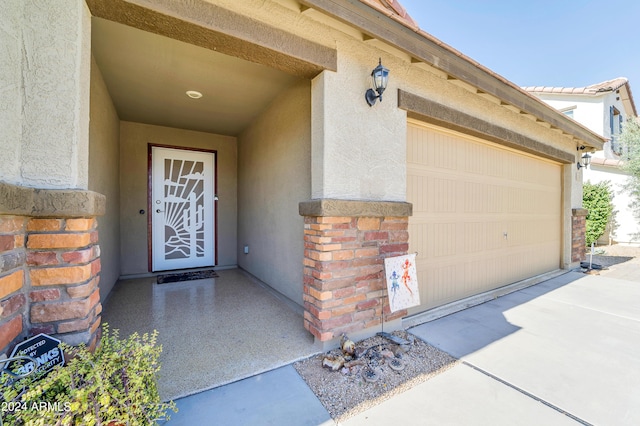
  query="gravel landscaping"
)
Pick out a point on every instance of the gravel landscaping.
point(608, 256)
point(380, 370)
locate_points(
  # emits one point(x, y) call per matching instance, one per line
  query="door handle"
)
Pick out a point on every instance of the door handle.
point(159, 211)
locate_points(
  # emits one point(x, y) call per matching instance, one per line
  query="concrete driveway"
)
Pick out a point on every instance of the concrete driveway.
point(566, 351)
point(563, 352)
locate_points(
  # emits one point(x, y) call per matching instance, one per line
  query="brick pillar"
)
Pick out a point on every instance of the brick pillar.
point(63, 260)
point(13, 311)
point(49, 264)
point(578, 234)
point(344, 282)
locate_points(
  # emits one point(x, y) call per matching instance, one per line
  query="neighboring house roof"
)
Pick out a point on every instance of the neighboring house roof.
point(606, 162)
point(605, 86)
point(593, 90)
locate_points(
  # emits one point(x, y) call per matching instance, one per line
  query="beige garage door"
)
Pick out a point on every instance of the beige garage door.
point(483, 215)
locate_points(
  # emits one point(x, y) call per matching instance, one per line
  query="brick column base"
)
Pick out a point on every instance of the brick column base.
point(63, 260)
point(344, 282)
point(49, 265)
point(13, 300)
point(578, 234)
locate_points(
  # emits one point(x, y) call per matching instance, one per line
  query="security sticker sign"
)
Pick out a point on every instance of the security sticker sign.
point(44, 349)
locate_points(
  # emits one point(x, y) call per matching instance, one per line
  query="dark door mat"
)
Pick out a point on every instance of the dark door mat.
point(186, 276)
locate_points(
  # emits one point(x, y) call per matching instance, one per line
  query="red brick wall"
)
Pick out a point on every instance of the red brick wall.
point(49, 279)
point(12, 278)
point(344, 285)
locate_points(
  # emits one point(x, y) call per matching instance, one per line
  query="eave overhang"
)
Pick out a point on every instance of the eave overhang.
point(423, 47)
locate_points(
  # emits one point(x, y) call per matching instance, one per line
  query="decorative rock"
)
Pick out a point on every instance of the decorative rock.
point(387, 354)
point(396, 364)
point(370, 375)
point(334, 363)
point(353, 363)
point(347, 346)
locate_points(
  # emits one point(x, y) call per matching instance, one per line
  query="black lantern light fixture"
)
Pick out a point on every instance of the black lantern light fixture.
point(586, 160)
point(379, 77)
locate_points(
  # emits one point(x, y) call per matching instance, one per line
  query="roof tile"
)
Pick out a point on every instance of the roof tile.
point(394, 9)
point(605, 86)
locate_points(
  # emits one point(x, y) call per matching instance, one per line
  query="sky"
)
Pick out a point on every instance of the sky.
point(567, 43)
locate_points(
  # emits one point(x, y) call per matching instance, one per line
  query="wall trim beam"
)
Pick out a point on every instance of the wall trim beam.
point(213, 27)
point(428, 111)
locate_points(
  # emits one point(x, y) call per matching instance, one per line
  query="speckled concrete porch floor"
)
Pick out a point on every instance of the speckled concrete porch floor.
point(213, 331)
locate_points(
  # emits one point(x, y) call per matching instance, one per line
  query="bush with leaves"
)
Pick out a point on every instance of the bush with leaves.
point(116, 384)
point(598, 199)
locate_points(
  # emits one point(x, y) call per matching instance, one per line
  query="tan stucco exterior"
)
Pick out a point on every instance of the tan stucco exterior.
point(354, 139)
point(273, 176)
point(104, 176)
point(11, 78)
point(47, 109)
point(317, 140)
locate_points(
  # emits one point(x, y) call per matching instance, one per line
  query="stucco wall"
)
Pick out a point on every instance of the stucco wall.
point(589, 110)
point(11, 94)
point(360, 152)
point(274, 176)
point(46, 63)
point(134, 140)
point(362, 149)
point(104, 176)
point(350, 139)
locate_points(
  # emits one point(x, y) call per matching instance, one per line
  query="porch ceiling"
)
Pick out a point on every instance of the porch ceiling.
point(147, 76)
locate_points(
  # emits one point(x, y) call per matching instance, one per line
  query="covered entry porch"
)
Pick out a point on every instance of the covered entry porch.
point(213, 331)
point(254, 117)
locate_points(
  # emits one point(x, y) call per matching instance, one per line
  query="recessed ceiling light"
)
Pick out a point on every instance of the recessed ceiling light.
point(193, 94)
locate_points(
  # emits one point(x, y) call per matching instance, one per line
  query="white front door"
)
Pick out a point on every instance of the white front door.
point(182, 208)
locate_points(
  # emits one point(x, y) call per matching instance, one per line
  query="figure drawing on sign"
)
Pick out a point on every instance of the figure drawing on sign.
point(406, 277)
point(402, 269)
point(394, 285)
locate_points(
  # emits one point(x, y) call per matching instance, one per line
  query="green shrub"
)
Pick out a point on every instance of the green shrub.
point(116, 384)
point(598, 199)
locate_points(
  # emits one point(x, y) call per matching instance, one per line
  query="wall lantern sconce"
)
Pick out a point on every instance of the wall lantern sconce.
point(586, 160)
point(380, 77)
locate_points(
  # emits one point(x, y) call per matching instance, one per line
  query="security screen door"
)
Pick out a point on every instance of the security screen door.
point(182, 208)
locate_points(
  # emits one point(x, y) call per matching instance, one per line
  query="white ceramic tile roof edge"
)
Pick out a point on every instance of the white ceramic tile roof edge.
point(606, 162)
point(594, 89)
